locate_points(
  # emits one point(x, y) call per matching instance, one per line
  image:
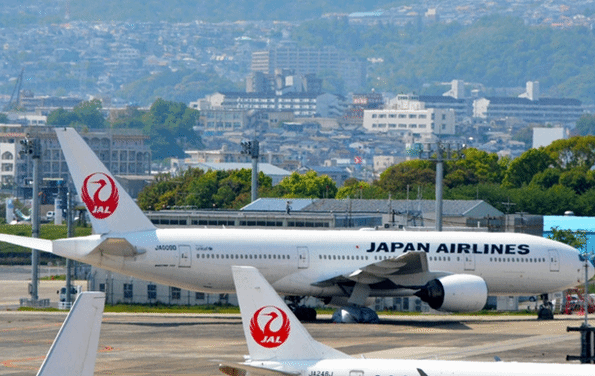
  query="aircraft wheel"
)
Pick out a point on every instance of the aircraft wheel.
point(545, 313)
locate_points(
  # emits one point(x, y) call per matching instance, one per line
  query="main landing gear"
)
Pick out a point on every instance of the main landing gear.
point(302, 312)
point(354, 314)
point(546, 310)
point(356, 311)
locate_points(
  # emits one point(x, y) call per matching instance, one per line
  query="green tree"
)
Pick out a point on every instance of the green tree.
point(360, 189)
point(492, 193)
point(89, 114)
point(576, 239)
point(170, 127)
point(546, 179)
point(62, 117)
point(476, 167)
point(553, 201)
point(397, 178)
point(576, 179)
point(308, 185)
point(3, 118)
point(573, 152)
point(585, 125)
point(522, 169)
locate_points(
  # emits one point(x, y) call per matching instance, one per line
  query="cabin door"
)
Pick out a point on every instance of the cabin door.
point(554, 261)
point(303, 257)
point(469, 262)
point(184, 256)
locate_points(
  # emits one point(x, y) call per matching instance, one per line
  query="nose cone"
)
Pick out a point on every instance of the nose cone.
point(591, 266)
point(586, 261)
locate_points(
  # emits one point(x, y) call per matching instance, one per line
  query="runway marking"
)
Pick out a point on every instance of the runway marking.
point(10, 363)
point(30, 327)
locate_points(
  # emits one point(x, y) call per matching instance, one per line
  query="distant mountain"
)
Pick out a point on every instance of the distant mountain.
point(189, 10)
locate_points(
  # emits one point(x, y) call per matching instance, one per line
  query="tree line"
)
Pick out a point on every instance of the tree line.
point(169, 125)
point(549, 181)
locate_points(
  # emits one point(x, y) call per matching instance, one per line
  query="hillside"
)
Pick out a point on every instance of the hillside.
point(190, 10)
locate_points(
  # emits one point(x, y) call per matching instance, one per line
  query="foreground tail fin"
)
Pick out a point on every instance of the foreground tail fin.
point(272, 331)
point(74, 350)
point(110, 207)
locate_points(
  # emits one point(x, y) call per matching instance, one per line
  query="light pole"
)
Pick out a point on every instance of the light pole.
point(440, 152)
point(32, 148)
point(252, 148)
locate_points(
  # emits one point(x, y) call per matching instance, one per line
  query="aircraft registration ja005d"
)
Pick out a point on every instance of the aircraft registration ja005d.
point(451, 271)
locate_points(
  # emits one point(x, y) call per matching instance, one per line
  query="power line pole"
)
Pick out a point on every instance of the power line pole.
point(440, 152)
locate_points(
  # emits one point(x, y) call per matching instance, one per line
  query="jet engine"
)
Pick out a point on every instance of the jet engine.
point(455, 293)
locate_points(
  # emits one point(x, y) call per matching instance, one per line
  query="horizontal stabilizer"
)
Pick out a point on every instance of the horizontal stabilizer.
point(74, 350)
point(243, 369)
point(25, 241)
point(117, 247)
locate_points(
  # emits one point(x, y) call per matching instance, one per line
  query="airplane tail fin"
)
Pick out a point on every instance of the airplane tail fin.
point(110, 207)
point(272, 331)
point(74, 350)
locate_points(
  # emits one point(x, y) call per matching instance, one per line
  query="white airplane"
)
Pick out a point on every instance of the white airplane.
point(74, 350)
point(452, 271)
point(279, 345)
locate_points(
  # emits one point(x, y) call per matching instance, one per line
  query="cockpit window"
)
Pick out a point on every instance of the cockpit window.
point(581, 257)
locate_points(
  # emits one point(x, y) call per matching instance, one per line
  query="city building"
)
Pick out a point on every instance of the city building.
point(123, 151)
point(529, 107)
point(301, 104)
point(409, 116)
point(222, 120)
point(8, 158)
point(223, 155)
point(304, 60)
point(545, 136)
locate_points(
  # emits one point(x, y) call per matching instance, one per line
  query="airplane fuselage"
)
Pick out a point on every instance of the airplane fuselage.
point(393, 367)
point(293, 260)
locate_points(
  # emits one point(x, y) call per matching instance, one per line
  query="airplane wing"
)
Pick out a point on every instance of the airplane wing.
point(240, 369)
point(406, 264)
point(24, 241)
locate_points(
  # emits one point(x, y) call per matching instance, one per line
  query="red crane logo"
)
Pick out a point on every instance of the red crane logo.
point(105, 200)
point(275, 330)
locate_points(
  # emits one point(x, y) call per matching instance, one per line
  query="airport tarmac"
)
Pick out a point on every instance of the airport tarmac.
point(174, 344)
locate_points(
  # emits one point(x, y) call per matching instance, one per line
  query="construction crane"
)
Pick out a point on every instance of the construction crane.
point(16, 92)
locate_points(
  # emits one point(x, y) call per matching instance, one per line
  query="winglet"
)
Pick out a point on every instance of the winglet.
point(74, 350)
point(272, 331)
point(110, 207)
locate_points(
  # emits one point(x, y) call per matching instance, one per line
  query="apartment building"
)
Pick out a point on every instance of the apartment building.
point(301, 104)
point(541, 111)
point(529, 107)
point(304, 60)
point(411, 117)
